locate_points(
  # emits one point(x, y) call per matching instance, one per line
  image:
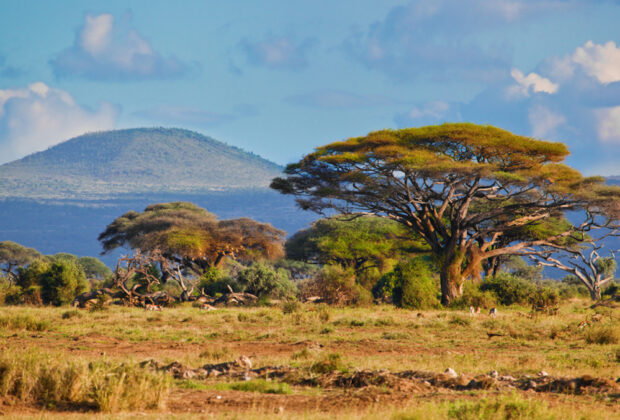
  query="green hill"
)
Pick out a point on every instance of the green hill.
point(141, 160)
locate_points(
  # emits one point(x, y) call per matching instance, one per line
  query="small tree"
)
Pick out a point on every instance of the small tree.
point(14, 256)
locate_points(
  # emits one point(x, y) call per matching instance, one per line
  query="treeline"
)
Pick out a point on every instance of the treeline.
point(342, 260)
point(35, 279)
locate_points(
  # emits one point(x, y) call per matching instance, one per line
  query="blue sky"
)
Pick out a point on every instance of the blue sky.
point(279, 78)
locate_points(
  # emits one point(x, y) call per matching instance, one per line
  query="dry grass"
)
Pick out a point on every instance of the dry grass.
point(313, 337)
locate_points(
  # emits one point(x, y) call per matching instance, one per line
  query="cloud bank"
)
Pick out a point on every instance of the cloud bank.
point(105, 50)
point(36, 117)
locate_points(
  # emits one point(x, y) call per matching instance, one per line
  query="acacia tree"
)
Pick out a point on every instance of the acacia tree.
point(13, 256)
point(463, 188)
point(191, 237)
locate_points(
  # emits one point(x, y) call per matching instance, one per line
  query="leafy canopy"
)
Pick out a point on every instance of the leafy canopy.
point(359, 242)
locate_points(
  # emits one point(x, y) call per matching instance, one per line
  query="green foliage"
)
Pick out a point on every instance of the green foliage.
point(30, 275)
point(62, 282)
point(94, 268)
point(261, 279)
point(509, 289)
point(298, 270)
point(215, 281)
point(606, 266)
point(520, 268)
point(13, 256)
point(10, 294)
point(409, 285)
point(368, 245)
point(473, 296)
point(190, 235)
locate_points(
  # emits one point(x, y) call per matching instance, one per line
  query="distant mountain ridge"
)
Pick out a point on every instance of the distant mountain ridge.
point(141, 160)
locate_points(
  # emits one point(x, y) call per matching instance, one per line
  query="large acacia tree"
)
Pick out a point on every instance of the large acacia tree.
point(464, 188)
point(191, 237)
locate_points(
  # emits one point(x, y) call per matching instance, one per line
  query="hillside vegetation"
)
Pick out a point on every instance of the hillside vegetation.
point(141, 160)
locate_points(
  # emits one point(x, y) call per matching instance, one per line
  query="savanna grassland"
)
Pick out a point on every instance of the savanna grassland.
point(309, 361)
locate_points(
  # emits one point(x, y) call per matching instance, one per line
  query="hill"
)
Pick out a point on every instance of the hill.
point(141, 160)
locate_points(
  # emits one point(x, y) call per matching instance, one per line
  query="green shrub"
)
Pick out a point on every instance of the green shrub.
point(10, 294)
point(261, 279)
point(214, 281)
point(409, 285)
point(545, 297)
point(509, 289)
point(473, 296)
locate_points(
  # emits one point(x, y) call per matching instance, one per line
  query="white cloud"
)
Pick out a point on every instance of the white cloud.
point(609, 125)
point(104, 50)
point(35, 117)
point(544, 122)
point(532, 82)
point(599, 61)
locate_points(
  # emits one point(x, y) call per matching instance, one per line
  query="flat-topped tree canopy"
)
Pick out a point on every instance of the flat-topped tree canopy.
point(462, 187)
point(191, 236)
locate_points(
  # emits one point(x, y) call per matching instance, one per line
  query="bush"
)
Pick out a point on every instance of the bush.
point(336, 285)
point(510, 289)
point(10, 294)
point(409, 285)
point(62, 282)
point(473, 296)
point(261, 279)
point(545, 297)
point(215, 281)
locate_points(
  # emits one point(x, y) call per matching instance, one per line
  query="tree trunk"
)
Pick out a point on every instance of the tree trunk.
point(595, 292)
point(451, 277)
